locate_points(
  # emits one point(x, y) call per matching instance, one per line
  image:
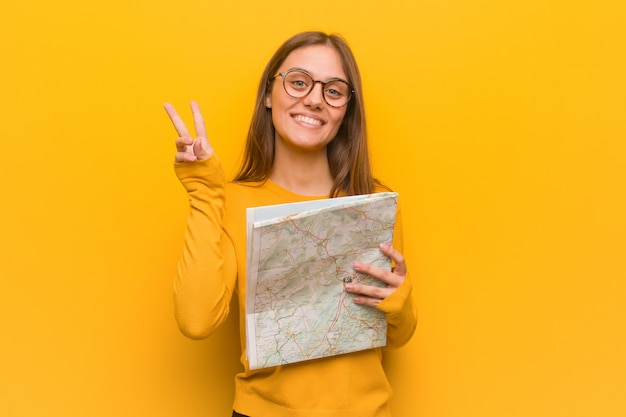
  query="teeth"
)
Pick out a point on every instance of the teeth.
point(308, 120)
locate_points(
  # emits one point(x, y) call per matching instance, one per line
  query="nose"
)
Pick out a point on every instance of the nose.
point(315, 98)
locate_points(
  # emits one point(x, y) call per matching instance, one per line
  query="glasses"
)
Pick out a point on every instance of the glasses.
point(299, 83)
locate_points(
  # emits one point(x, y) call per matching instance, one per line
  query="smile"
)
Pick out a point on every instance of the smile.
point(308, 120)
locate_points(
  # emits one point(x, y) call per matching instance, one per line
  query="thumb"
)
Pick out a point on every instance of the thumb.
point(201, 149)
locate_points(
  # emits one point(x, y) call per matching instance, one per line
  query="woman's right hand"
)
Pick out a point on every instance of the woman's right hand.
point(190, 149)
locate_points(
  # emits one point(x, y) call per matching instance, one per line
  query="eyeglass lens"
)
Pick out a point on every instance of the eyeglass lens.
point(299, 84)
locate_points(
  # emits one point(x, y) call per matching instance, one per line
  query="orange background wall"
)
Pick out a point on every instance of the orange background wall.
point(501, 123)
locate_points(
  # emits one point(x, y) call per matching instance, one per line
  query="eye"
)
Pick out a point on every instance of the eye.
point(298, 81)
point(336, 90)
point(331, 92)
point(300, 84)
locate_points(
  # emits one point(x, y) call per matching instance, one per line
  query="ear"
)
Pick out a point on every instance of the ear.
point(268, 100)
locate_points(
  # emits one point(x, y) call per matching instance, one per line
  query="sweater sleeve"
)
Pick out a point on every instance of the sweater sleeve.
point(399, 307)
point(206, 272)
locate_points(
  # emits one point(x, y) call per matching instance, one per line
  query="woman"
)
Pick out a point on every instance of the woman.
point(307, 140)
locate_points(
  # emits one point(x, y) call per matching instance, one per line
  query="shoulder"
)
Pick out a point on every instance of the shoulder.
point(252, 194)
point(381, 187)
point(244, 193)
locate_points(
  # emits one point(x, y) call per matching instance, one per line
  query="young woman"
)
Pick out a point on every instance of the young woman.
point(307, 140)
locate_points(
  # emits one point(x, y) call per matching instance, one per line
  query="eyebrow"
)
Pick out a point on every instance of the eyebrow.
point(308, 72)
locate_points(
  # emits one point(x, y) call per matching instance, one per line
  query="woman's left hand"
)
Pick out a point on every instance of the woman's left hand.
point(370, 295)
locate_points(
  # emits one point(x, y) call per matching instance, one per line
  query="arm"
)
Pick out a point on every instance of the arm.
point(206, 271)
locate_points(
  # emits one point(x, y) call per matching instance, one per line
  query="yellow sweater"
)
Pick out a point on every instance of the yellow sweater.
point(213, 259)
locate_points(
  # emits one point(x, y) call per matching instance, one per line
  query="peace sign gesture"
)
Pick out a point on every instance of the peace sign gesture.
point(189, 149)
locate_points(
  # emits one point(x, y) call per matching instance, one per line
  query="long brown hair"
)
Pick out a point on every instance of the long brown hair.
point(348, 154)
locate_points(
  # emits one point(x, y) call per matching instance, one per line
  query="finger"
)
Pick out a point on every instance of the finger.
point(183, 143)
point(202, 149)
point(198, 120)
point(369, 291)
point(178, 123)
point(184, 157)
point(371, 270)
point(395, 256)
point(379, 273)
point(367, 301)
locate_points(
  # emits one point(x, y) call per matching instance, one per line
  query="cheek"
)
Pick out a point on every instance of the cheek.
point(339, 119)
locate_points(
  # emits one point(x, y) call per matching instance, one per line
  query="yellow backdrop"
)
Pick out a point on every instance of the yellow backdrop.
point(501, 123)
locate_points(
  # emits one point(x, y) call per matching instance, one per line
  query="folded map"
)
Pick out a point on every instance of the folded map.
point(299, 259)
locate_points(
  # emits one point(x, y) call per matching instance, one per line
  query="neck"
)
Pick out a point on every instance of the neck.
point(303, 173)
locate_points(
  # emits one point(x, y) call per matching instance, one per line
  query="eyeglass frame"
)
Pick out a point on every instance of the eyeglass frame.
point(283, 74)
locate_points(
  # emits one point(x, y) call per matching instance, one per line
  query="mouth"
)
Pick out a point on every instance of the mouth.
point(308, 120)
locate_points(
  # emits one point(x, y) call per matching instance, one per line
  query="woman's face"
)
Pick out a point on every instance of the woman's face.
point(308, 123)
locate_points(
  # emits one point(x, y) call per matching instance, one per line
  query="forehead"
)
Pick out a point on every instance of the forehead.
point(321, 61)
